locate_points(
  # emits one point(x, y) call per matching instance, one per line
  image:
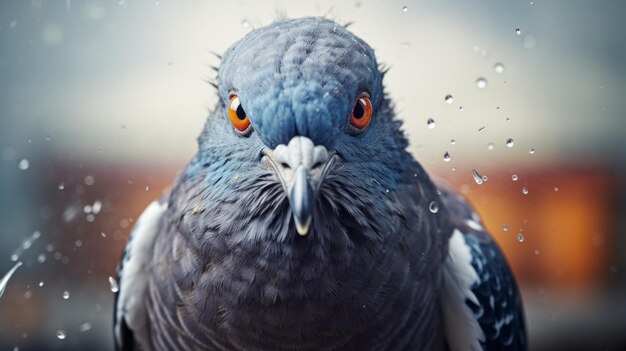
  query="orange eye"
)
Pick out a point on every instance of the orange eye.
point(362, 113)
point(237, 115)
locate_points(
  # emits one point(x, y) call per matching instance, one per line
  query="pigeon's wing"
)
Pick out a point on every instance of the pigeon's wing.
point(481, 303)
point(130, 320)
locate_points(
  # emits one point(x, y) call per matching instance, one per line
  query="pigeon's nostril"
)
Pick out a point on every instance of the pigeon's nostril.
point(284, 165)
point(317, 164)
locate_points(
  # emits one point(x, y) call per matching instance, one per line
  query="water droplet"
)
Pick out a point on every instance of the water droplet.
point(481, 128)
point(61, 186)
point(103, 234)
point(505, 227)
point(66, 295)
point(14, 257)
point(514, 177)
point(84, 327)
point(61, 334)
point(5, 280)
point(525, 190)
point(485, 178)
point(446, 157)
point(477, 177)
point(41, 258)
point(78, 243)
point(147, 188)
point(245, 24)
point(41, 284)
point(490, 146)
point(89, 180)
point(556, 188)
point(531, 151)
point(520, 237)
point(113, 283)
point(449, 99)
point(97, 206)
point(510, 142)
point(518, 31)
point(405, 9)
point(433, 207)
point(430, 123)
point(23, 165)
point(481, 83)
point(452, 141)
point(537, 252)
point(529, 41)
point(498, 67)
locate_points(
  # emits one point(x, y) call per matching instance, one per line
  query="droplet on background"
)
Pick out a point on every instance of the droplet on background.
point(89, 180)
point(510, 142)
point(405, 9)
point(449, 99)
point(556, 188)
point(529, 41)
point(433, 207)
point(520, 237)
point(446, 157)
point(452, 141)
point(23, 165)
point(430, 123)
point(518, 31)
point(505, 227)
point(84, 327)
point(481, 83)
point(61, 186)
point(514, 177)
point(477, 177)
point(490, 146)
point(61, 334)
point(531, 151)
point(498, 67)
point(525, 190)
point(66, 295)
point(113, 283)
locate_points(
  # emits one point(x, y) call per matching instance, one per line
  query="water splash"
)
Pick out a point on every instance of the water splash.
point(26, 244)
point(481, 83)
point(498, 67)
point(113, 283)
point(430, 123)
point(477, 177)
point(433, 207)
point(23, 165)
point(446, 157)
point(5, 279)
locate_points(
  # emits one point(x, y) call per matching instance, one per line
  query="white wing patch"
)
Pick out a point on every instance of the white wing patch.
point(134, 275)
point(461, 326)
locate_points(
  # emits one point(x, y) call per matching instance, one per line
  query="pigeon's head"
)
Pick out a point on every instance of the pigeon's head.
point(303, 121)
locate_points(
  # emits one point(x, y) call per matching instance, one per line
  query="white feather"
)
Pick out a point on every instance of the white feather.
point(461, 326)
point(135, 273)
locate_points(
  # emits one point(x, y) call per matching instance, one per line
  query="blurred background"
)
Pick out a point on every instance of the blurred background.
point(101, 102)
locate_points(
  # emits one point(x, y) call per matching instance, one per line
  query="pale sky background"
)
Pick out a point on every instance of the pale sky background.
point(123, 80)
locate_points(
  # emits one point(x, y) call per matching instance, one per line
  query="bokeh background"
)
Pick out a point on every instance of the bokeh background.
point(101, 102)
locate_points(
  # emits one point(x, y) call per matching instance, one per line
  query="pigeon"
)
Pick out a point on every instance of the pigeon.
point(303, 223)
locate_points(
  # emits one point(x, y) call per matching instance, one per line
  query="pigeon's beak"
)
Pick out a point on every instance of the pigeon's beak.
point(301, 167)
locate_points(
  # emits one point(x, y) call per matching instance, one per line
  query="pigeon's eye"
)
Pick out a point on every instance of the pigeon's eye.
point(237, 115)
point(361, 113)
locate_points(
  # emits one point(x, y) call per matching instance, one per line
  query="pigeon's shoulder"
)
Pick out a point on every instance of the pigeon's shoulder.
point(481, 302)
point(130, 313)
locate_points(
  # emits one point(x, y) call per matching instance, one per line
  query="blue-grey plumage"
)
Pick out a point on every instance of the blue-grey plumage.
point(302, 223)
